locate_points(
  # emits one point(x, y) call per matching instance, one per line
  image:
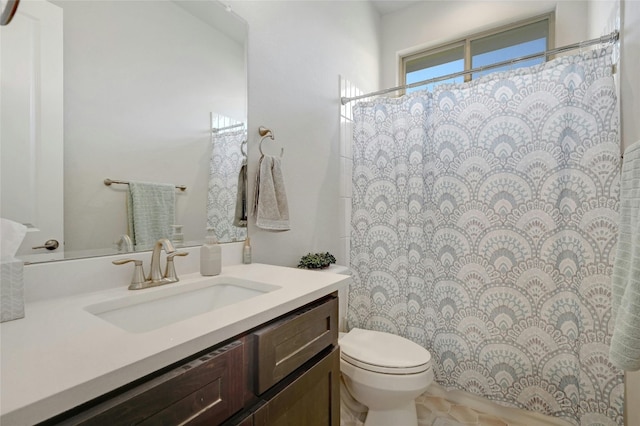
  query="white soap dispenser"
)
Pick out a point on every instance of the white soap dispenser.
point(210, 255)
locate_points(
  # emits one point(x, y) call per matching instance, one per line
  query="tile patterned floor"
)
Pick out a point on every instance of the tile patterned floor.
point(439, 409)
point(433, 411)
point(436, 411)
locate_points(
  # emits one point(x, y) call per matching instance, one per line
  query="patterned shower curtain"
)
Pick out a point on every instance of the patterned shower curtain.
point(226, 160)
point(484, 226)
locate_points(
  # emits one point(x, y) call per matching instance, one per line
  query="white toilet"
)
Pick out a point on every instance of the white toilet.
point(386, 373)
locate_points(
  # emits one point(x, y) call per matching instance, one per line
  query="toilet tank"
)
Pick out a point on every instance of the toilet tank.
point(338, 269)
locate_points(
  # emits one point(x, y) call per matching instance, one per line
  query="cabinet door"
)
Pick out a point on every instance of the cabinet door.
point(311, 400)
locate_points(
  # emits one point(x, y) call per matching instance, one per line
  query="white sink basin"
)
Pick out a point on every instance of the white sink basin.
point(158, 307)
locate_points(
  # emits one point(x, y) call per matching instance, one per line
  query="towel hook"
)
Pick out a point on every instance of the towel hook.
point(267, 133)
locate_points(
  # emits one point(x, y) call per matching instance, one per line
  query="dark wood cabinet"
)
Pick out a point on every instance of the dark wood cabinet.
point(285, 372)
point(248, 421)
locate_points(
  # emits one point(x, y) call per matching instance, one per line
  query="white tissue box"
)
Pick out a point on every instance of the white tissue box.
point(11, 290)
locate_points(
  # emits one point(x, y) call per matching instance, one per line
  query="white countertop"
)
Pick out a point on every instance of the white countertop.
point(60, 355)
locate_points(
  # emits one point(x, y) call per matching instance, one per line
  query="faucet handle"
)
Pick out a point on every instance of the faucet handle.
point(138, 279)
point(170, 270)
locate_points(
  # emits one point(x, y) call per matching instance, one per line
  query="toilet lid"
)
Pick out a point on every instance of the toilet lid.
point(384, 352)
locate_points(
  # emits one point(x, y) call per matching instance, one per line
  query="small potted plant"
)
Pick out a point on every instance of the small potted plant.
point(316, 261)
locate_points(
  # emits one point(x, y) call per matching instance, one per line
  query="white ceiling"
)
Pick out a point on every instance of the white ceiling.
point(389, 6)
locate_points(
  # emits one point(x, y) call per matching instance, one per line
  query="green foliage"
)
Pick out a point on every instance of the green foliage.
point(316, 261)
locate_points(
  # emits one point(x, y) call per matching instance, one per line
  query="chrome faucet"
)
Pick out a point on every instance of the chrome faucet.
point(155, 277)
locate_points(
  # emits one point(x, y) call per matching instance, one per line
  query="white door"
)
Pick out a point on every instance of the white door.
point(31, 126)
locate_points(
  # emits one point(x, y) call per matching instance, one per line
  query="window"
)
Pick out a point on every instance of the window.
point(503, 44)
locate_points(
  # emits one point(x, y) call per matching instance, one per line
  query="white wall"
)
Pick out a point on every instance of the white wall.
point(296, 52)
point(137, 104)
point(603, 17)
point(432, 23)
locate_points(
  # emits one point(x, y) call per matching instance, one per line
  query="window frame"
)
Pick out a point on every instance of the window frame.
point(466, 43)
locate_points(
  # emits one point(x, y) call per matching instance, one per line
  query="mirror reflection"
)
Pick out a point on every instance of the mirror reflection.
point(128, 91)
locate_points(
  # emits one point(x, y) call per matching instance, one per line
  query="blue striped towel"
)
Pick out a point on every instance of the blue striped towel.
point(625, 342)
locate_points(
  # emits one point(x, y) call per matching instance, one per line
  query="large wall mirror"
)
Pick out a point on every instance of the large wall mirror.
point(124, 90)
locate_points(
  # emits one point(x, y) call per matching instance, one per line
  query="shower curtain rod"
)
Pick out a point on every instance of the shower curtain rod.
point(609, 38)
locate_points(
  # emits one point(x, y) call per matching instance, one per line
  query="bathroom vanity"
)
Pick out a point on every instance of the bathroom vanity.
point(269, 359)
point(295, 356)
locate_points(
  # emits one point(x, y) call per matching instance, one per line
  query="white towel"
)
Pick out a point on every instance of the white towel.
point(270, 203)
point(151, 212)
point(625, 342)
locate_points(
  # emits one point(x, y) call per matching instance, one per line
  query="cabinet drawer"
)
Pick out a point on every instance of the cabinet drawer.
point(313, 399)
point(285, 345)
point(206, 390)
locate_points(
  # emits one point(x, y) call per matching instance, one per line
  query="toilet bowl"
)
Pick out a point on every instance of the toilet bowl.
point(386, 373)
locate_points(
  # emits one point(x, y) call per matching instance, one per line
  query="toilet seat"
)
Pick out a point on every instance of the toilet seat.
point(384, 353)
